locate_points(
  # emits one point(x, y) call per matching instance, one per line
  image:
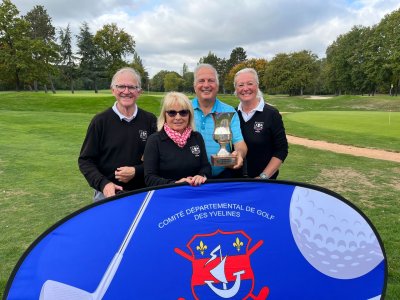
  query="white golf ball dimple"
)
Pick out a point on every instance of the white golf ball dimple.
point(333, 237)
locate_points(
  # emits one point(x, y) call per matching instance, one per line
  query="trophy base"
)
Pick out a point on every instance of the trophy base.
point(223, 160)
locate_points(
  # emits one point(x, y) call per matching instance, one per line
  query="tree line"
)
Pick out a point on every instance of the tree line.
point(34, 55)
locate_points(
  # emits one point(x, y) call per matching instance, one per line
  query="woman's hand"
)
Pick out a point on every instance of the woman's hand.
point(197, 180)
point(193, 180)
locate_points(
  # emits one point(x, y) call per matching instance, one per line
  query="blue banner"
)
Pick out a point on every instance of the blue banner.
point(246, 239)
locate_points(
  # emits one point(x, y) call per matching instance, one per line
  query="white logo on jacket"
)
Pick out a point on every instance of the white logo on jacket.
point(143, 135)
point(195, 150)
point(258, 126)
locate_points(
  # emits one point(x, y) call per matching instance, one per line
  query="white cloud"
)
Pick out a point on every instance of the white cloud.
point(168, 34)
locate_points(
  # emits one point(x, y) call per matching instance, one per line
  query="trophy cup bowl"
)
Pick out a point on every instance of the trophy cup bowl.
point(223, 136)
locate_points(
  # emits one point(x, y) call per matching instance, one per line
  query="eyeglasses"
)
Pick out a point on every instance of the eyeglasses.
point(209, 81)
point(131, 88)
point(182, 113)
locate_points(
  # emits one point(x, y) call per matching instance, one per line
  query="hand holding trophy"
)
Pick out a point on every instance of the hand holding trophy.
point(223, 136)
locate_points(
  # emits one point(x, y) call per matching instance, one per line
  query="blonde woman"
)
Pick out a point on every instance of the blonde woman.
point(176, 153)
point(262, 128)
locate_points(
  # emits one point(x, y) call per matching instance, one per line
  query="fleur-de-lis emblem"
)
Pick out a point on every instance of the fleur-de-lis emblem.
point(237, 244)
point(201, 247)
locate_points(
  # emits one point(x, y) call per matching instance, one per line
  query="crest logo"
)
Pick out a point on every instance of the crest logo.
point(143, 135)
point(258, 126)
point(195, 150)
point(221, 266)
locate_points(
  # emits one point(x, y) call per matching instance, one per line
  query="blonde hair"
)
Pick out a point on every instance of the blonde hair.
point(254, 73)
point(180, 99)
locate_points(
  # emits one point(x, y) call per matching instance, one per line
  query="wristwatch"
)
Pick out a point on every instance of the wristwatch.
point(264, 176)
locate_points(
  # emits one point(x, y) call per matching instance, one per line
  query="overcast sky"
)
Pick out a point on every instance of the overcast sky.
point(170, 33)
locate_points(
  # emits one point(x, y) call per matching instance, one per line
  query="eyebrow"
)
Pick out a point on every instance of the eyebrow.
point(243, 82)
point(208, 79)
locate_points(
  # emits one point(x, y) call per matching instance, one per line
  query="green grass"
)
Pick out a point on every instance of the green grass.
point(341, 103)
point(41, 135)
point(372, 129)
point(67, 102)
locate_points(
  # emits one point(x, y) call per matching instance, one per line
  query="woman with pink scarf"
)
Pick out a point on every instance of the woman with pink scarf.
point(176, 153)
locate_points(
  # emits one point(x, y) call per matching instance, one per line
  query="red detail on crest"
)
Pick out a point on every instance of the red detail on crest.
point(201, 271)
point(236, 263)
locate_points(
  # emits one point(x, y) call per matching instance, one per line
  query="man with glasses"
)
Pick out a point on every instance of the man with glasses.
point(111, 157)
point(206, 86)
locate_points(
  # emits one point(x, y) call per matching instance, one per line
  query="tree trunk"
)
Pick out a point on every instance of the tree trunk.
point(52, 85)
point(45, 88)
point(72, 87)
point(95, 86)
point(17, 81)
point(35, 85)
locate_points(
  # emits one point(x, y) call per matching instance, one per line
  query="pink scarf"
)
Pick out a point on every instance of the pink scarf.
point(179, 139)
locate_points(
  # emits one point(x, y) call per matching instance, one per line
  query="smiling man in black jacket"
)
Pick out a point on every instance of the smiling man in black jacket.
point(111, 157)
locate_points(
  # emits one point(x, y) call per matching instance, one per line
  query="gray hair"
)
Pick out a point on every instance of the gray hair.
point(254, 73)
point(246, 70)
point(170, 99)
point(205, 66)
point(127, 70)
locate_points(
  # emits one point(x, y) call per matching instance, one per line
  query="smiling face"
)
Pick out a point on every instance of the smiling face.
point(246, 87)
point(206, 86)
point(126, 99)
point(177, 122)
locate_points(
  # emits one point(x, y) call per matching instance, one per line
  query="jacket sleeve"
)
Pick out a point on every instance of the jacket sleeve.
point(87, 160)
point(279, 136)
point(205, 164)
point(139, 168)
point(152, 163)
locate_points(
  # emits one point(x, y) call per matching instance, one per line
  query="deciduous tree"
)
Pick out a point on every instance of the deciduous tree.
point(259, 65)
point(15, 53)
point(388, 34)
point(173, 82)
point(292, 73)
point(157, 82)
point(188, 79)
point(114, 45)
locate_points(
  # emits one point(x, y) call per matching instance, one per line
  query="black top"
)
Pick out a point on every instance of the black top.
point(265, 138)
point(165, 162)
point(111, 143)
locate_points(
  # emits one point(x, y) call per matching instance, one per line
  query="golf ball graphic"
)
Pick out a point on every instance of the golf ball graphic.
point(333, 237)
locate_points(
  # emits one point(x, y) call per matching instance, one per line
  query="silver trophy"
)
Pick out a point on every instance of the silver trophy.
point(223, 136)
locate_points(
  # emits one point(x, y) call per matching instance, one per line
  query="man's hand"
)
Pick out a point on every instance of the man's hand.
point(240, 151)
point(110, 189)
point(239, 160)
point(125, 174)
